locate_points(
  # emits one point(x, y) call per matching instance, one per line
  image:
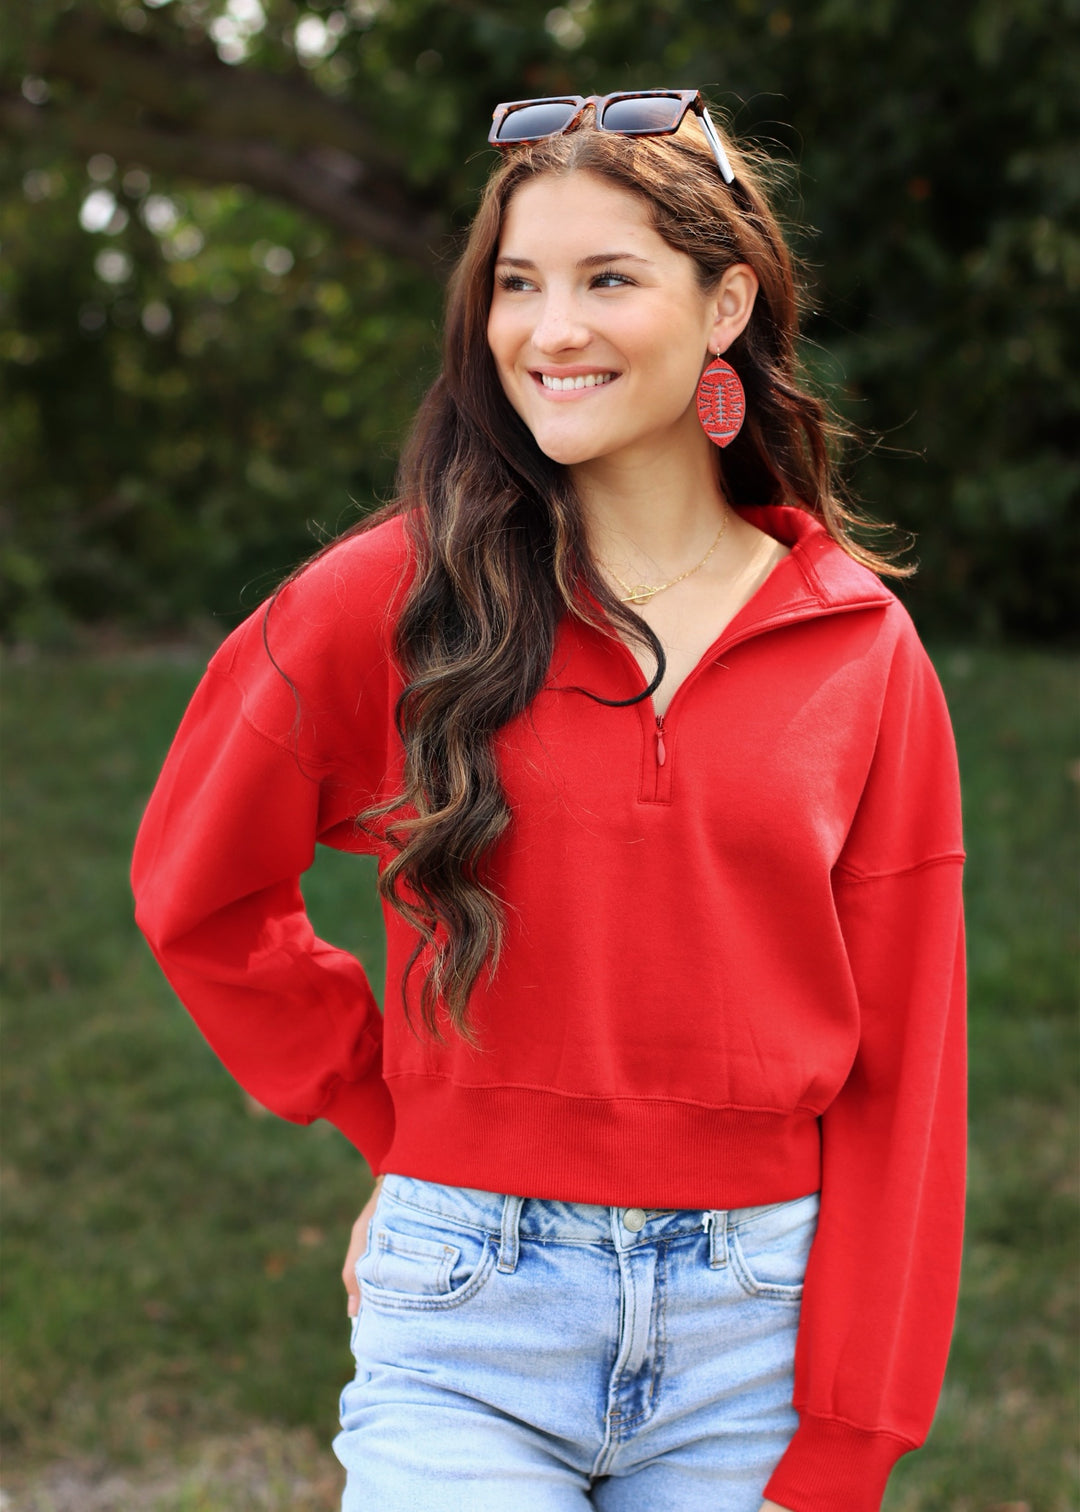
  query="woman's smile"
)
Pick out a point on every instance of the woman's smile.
point(567, 381)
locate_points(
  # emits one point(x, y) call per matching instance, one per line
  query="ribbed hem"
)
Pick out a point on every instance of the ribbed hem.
point(364, 1113)
point(831, 1466)
point(650, 1152)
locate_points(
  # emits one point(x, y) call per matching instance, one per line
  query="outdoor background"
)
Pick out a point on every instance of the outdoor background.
point(224, 226)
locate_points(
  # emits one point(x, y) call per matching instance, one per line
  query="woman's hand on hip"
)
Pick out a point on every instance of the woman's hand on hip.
point(357, 1246)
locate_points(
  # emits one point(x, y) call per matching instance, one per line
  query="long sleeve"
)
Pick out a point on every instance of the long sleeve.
point(880, 1294)
point(260, 770)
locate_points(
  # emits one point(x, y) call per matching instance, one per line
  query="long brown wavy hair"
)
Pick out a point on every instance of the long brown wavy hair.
point(500, 548)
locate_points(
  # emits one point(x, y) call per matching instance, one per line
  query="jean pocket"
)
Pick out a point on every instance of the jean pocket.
point(770, 1247)
point(401, 1262)
point(416, 1265)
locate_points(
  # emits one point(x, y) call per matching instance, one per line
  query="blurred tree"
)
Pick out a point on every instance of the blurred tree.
point(172, 104)
point(225, 220)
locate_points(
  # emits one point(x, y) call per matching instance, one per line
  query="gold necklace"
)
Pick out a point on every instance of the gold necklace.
point(642, 593)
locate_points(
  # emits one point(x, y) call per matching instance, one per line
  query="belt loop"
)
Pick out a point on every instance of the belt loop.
point(716, 1228)
point(508, 1238)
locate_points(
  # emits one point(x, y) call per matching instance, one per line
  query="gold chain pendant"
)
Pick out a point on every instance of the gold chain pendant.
point(642, 593)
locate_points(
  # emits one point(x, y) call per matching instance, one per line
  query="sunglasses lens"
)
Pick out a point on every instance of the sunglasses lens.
point(651, 114)
point(534, 121)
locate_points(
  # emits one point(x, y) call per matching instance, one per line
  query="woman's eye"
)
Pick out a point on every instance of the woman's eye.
point(513, 282)
point(609, 279)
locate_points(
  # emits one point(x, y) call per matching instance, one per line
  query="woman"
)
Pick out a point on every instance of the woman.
point(668, 1109)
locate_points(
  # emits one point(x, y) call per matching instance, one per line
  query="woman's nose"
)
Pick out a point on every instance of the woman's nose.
point(559, 327)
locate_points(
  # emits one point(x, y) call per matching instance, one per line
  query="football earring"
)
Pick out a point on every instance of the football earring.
point(721, 402)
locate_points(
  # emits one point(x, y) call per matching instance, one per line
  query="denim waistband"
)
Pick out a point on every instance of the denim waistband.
point(513, 1218)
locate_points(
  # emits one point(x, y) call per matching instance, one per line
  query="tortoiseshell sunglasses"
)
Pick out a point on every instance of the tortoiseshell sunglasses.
point(648, 112)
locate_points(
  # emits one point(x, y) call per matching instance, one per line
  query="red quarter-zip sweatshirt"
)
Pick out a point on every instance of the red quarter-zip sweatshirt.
point(733, 972)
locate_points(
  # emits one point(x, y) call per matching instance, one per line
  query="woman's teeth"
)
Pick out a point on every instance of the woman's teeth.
point(583, 380)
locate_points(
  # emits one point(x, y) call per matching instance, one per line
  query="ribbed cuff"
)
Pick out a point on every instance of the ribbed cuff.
point(364, 1112)
point(831, 1466)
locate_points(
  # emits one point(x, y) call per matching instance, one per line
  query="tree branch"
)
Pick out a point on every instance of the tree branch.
point(182, 112)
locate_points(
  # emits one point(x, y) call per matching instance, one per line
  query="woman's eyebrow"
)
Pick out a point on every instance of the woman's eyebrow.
point(596, 260)
point(600, 258)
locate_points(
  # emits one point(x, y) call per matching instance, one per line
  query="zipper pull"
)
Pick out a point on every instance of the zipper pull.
point(661, 752)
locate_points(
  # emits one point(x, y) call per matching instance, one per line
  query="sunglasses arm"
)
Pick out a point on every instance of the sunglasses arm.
point(717, 146)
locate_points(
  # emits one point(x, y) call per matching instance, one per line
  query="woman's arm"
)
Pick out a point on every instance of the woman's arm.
point(229, 829)
point(262, 767)
point(881, 1284)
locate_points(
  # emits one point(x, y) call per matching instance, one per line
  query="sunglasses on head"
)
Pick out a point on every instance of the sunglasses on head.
point(649, 112)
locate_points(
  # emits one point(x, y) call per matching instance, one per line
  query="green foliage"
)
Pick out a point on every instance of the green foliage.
point(171, 1266)
point(165, 469)
point(169, 434)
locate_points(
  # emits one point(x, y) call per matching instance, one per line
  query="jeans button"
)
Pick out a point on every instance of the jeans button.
point(634, 1219)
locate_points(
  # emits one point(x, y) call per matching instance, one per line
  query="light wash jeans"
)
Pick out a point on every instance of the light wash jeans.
point(532, 1356)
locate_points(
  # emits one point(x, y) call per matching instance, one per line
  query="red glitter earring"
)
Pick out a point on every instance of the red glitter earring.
point(721, 402)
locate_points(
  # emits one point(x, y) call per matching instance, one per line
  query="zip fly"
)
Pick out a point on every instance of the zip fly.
point(656, 774)
point(661, 750)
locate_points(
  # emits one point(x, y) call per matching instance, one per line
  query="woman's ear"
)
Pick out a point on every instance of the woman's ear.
point(733, 304)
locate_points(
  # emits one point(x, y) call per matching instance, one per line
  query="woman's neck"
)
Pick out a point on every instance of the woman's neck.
point(650, 514)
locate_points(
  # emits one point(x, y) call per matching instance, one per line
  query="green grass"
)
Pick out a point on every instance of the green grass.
point(171, 1259)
